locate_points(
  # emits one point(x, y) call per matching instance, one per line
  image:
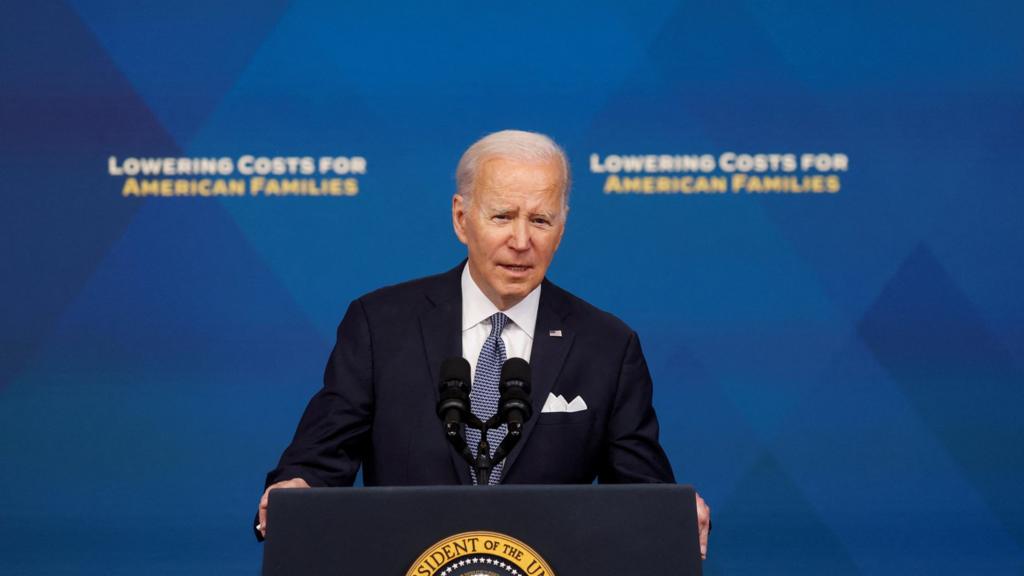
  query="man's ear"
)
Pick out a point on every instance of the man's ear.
point(459, 213)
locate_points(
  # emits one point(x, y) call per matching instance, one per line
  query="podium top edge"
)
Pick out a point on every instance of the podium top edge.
point(513, 488)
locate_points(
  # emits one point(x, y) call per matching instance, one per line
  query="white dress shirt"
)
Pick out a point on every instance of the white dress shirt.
point(477, 310)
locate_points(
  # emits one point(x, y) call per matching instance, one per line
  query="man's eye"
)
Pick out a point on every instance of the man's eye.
point(501, 217)
point(541, 221)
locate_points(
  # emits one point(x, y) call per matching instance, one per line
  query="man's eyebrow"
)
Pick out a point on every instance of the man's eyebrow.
point(546, 214)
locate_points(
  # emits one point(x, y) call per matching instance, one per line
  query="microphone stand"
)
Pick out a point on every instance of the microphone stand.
point(483, 463)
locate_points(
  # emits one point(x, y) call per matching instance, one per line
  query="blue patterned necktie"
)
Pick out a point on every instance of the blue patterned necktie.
point(483, 396)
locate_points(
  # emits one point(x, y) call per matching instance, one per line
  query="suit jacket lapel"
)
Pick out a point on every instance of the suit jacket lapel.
point(546, 357)
point(441, 329)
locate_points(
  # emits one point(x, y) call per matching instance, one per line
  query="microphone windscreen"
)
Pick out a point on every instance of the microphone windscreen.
point(455, 368)
point(516, 369)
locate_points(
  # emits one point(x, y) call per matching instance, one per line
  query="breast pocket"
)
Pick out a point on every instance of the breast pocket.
point(563, 418)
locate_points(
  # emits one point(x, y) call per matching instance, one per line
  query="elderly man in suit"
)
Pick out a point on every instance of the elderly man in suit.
point(591, 387)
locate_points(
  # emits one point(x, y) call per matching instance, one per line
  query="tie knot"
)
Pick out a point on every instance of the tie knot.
point(498, 322)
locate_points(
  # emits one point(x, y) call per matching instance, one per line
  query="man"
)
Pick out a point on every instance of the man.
point(376, 409)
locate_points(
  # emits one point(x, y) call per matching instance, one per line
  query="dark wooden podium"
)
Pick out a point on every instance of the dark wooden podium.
point(590, 530)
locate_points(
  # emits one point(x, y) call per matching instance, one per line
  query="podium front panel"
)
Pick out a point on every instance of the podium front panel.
point(588, 530)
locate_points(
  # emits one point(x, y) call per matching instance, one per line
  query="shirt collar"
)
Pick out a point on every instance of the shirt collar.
point(476, 307)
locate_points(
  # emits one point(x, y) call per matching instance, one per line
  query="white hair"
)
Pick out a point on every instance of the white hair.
point(518, 145)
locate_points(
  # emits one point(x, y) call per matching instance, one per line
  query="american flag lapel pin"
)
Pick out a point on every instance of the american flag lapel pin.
point(555, 333)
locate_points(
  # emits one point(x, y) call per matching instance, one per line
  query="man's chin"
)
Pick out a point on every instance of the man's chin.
point(516, 291)
point(525, 282)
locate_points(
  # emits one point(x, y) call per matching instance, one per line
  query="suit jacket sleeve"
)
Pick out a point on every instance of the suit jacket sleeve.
point(633, 453)
point(333, 435)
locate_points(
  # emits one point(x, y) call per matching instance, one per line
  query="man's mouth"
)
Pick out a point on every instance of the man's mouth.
point(515, 267)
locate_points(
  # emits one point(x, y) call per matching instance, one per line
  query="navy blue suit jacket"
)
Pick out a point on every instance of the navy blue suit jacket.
point(377, 406)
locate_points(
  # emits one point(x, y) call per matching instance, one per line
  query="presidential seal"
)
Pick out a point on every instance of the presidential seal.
point(480, 554)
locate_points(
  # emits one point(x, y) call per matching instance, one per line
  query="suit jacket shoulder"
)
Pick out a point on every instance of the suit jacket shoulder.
point(571, 306)
point(433, 289)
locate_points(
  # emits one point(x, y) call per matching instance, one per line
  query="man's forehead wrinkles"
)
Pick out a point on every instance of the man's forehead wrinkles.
point(499, 208)
point(517, 190)
point(539, 207)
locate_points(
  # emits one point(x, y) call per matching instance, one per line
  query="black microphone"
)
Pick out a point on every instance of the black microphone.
point(514, 386)
point(454, 400)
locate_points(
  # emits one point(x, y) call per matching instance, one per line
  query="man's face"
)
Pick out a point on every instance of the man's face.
point(512, 226)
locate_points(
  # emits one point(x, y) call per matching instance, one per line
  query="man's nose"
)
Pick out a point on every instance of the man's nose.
point(520, 239)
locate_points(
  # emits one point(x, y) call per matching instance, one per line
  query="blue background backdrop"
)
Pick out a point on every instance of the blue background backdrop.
point(840, 375)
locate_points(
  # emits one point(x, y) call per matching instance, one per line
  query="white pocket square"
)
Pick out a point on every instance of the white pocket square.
point(558, 404)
